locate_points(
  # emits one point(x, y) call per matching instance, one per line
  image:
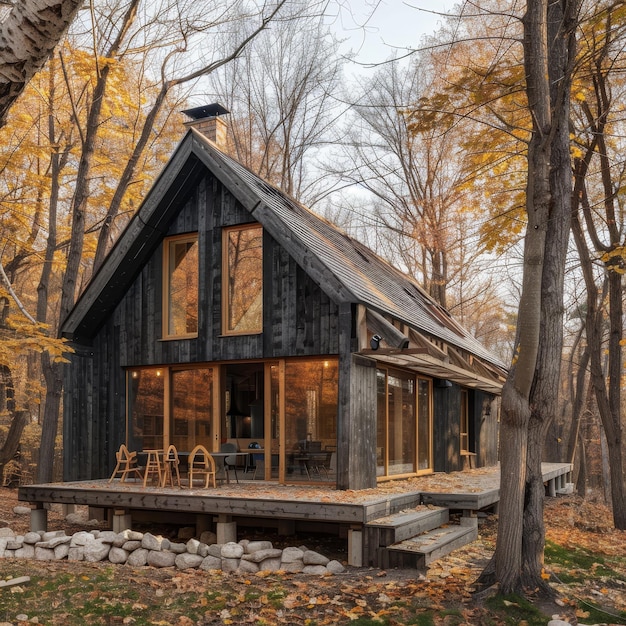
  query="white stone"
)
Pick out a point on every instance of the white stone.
point(76, 553)
point(293, 567)
point(62, 551)
point(185, 561)
point(203, 550)
point(27, 551)
point(161, 558)
point(318, 570)
point(44, 554)
point(179, 548)
point(107, 536)
point(558, 622)
point(211, 563)
point(53, 534)
point(81, 538)
point(54, 542)
point(291, 555)
point(261, 555)
point(32, 538)
point(255, 546)
point(232, 550)
point(138, 558)
point(230, 565)
point(270, 565)
point(335, 567)
point(118, 555)
point(248, 566)
point(6, 532)
point(21, 510)
point(311, 557)
point(96, 551)
point(150, 542)
point(215, 550)
point(192, 546)
point(131, 545)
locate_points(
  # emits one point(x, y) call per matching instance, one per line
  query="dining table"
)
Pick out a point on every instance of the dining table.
point(217, 456)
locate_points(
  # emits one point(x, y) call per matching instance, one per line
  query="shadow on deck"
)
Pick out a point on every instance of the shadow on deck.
point(374, 521)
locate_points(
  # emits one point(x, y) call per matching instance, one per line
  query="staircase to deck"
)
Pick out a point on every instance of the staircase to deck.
point(412, 539)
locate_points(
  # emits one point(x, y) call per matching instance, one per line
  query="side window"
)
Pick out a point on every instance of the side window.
point(464, 422)
point(180, 291)
point(242, 280)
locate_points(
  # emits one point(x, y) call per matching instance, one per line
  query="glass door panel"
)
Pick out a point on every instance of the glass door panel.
point(424, 425)
point(401, 415)
point(191, 408)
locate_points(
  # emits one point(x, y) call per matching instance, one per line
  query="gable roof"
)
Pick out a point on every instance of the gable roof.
point(345, 268)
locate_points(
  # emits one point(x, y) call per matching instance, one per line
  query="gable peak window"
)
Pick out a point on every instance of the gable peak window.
point(242, 280)
point(180, 272)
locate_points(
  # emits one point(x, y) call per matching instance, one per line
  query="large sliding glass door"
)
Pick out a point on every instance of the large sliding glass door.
point(286, 409)
point(404, 429)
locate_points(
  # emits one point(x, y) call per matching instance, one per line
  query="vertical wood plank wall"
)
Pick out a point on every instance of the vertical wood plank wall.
point(301, 320)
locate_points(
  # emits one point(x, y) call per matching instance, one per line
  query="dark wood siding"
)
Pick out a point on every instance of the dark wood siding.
point(447, 426)
point(299, 320)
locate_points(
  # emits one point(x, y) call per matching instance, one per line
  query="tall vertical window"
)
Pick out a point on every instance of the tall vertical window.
point(464, 422)
point(145, 398)
point(180, 315)
point(243, 280)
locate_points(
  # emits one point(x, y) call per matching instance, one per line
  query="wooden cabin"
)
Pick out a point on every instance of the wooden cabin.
point(228, 312)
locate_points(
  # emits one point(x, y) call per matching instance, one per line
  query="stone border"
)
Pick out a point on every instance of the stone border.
point(139, 549)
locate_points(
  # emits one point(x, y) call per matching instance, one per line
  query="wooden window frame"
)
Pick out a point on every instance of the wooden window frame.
point(165, 307)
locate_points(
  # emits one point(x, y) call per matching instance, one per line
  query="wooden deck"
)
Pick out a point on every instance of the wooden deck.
point(279, 506)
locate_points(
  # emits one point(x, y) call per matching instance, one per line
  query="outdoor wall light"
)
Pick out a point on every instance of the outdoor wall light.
point(375, 342)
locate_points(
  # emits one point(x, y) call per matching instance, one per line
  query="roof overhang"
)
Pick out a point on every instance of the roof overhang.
point(419, 361)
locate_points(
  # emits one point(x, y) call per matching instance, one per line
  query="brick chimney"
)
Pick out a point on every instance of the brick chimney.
point(209, 121)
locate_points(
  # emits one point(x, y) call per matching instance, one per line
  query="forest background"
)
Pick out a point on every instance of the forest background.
point(424, 158)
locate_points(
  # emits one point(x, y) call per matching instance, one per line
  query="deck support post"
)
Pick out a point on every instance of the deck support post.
point(225, 529)
point(122, 520)
point(469, 518)
point(552, 488)
point(68, 509)
point(355, 547)
point(38, 518)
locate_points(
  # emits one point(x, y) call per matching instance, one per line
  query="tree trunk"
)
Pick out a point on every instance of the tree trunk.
point(18, 419)
point(517, 389)
point(28, 36)
point(544, 394)
point(53, 375)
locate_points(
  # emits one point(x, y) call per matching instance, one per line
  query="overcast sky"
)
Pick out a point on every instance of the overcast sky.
point(375, 29)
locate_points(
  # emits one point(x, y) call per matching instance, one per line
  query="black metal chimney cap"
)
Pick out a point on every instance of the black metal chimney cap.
point(207, 110)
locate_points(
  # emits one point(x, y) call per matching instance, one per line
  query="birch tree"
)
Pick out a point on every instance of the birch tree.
point(28, 35)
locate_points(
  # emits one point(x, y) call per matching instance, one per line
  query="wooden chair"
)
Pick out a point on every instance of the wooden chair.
point(126, 464)
point(230, 462)
point(171, 464)
point(201, 463)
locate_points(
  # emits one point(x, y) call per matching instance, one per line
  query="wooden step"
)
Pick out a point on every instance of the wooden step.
point(423, 549)
point(396, 527)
